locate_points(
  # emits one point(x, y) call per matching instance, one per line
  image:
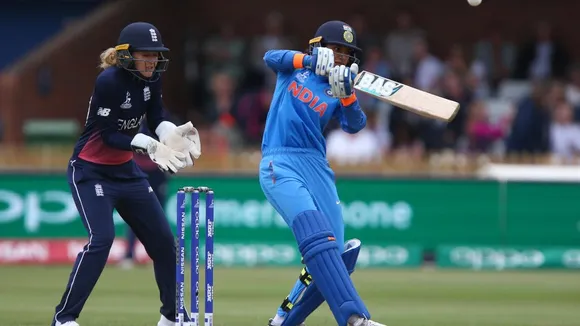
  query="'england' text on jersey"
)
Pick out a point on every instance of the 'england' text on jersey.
point(305, 95)
point(126, 124)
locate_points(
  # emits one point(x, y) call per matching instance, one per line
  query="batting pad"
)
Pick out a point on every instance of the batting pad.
point(318, 246)
point(312, 298)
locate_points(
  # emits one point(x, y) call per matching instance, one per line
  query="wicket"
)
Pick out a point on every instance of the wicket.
point(180, 263)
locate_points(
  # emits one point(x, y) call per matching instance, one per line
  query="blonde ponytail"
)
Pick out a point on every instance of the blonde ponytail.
point(109, 58)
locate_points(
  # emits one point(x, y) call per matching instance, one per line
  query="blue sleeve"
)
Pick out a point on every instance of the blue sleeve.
point(108, 96)
point(285, 60)
point(352, 118)
point(156, 110)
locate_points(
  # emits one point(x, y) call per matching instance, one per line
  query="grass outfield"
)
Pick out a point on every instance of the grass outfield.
point(248, 297)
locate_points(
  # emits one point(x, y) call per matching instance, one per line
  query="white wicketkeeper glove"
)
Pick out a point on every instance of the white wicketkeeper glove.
point(321, 61)
point(341, 80)
point(166, 158)
point(184, 139)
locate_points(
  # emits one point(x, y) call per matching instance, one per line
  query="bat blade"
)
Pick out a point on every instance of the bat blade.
point(406, 97)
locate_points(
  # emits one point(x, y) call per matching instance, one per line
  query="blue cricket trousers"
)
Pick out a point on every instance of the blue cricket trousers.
point(296, 180)
point(134, 199)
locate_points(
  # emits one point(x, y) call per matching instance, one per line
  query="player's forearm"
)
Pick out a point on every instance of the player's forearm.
point(285, 60)
point(117, 140)
point(107, 124)
point(354, 119)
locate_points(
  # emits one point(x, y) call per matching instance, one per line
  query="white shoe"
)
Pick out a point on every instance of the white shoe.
point(166, 322)
point(359, 321)
point(68, 323)
point(272, 323)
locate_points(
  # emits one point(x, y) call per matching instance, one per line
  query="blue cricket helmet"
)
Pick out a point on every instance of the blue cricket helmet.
point(142, 36)
point(338, 33)
point(145, 37)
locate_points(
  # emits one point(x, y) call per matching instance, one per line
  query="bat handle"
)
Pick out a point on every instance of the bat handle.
point(355, 77)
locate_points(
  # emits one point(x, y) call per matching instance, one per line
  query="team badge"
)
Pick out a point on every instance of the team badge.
point(348, 36)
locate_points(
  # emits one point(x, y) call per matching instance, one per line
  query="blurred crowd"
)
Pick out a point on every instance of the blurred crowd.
point(515, 98)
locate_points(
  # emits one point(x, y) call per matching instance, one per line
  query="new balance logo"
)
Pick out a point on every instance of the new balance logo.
point(103, 112)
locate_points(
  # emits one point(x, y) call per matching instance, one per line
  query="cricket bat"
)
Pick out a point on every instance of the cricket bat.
point(406, 97)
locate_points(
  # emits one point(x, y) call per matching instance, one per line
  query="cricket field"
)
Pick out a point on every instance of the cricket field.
point(248, 297)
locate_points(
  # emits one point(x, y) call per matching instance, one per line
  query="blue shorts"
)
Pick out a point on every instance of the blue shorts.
point(297, 180)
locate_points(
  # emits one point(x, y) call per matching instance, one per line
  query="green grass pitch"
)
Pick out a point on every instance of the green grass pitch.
point(248, 297)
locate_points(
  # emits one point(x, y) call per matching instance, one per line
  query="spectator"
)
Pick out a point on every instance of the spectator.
point(376, 64)
point(543, 57)
point(364, 147)
point(529, 129)
point(564, 134)
point(496, 55)
point(428, 68)
point(224, 52)
point(406, 130)
point(477, 82)
point(400, 44)
point(573, 86)
point(454, 88)
point(481, 133)
point(251, 114)
point(273, 38)
point(456, 61)
point(219, 110)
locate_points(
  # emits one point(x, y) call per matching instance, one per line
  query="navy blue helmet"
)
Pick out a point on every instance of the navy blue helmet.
point(145, 37)
point(338, 33)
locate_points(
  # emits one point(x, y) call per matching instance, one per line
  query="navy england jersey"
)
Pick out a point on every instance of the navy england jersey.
point(117, 108)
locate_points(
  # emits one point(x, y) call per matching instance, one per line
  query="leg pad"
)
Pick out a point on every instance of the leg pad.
point(318, 246)
point(312, 298)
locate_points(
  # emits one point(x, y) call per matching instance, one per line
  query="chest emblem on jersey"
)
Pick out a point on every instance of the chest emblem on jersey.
point(127, 103)
point(328, 92)
point(306, 96)
point(146, 94)
point(302, 76)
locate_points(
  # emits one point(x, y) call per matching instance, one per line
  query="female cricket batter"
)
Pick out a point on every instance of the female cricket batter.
point(296, 178)
point(103, 175)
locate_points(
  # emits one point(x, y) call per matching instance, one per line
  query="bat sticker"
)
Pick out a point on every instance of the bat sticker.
point(377, 85)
